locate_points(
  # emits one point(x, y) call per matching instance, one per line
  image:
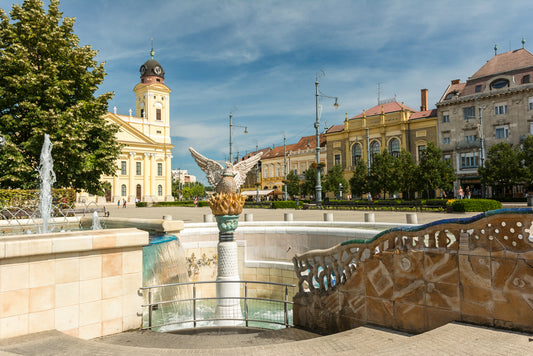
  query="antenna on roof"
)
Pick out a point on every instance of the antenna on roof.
point(495, 49)
point(523, 42)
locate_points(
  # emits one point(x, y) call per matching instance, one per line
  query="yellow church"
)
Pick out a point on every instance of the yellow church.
point(143, 167)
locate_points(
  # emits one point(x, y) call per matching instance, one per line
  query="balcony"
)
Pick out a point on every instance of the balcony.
point(465, 145)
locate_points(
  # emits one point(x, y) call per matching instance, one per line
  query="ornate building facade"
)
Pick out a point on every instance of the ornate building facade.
point(144, 166)
point(494, 105)
point(389, 125)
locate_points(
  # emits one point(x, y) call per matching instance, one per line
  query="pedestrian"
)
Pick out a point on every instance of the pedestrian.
point(118, 203)
point(136, 201)
point(460, 193)
point(124, 203)
point(195, 202)
point(467, 192)
point(369, 196)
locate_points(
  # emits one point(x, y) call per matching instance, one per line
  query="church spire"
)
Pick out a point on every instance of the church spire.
point(152, 53)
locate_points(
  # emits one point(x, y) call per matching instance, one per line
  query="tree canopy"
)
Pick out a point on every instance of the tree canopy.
point(502, 168)
point(334, 178)
point(47, 85)
point(433, 172)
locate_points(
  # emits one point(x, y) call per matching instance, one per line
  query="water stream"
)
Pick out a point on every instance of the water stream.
point(48, 178)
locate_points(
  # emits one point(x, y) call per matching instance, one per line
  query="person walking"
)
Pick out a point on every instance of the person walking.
point(460, 193)
point(195, 202)
point(123, 203)
point(467, 192)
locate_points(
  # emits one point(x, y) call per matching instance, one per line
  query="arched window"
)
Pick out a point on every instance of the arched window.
point(394, 147)
point(160, 190)
point(356, 153)
point(123, 190)
point(374, 149)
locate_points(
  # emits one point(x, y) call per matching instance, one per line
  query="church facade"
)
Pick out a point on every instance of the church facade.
point(144, 166)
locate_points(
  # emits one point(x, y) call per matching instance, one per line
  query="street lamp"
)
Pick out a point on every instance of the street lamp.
point(230, 135)
point(340, 191)
point(318, 187)
point(284, 169)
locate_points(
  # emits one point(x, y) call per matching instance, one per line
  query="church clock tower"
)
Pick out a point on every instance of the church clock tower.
point(151, 94)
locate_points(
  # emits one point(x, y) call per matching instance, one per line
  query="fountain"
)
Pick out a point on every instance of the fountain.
point(48, 178)
point(226, 206)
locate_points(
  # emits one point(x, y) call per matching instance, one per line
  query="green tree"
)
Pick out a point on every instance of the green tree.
point(47, 85)
point(433, 171)
point(335, 177)
point(358, 182)
point(382, 176)
point(502, 168)
point(406, 171)
point(527, 159)
point(309, 184)
point(192, 190)
point(293, 184)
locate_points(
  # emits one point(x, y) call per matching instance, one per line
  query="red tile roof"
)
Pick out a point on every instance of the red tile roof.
point(423, 114)
point(505, 62)
point(335, 128)
point(385, 108)
point(307, 142)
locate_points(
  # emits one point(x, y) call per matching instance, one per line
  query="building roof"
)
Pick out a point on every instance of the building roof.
point(384, 108)
point(505, 62)
point(335, 128)
point(423, 114)
point(306, 142)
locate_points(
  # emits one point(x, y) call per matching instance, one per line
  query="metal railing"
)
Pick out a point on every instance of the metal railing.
point(151, 305)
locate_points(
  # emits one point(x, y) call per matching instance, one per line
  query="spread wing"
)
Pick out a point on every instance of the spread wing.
point(242, 168)
point(213, 170)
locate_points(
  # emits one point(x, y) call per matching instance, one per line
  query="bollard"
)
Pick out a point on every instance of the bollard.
point(167, 217)
point(208, 218)
point(328, 216)
point(288, 216)
point(369, 217)
point(248, 217)
point(411, 218)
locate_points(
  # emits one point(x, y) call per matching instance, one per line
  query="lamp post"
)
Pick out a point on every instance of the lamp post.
point(318, 187)
point(340, 191)
point(257, 176)
point(482, 138)
point(284, 169)
point(230, 135)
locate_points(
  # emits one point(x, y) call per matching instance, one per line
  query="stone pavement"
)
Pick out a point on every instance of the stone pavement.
point(451, 339)
point(196, 215)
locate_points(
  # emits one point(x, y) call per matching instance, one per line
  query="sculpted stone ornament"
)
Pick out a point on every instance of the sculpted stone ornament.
point(225, 180)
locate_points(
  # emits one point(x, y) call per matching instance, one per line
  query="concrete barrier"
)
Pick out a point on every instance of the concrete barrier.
point(208, 217)
point(369, 217)
point(288, 217)
point(328, 216)
point(248, 217)
point(411, 218)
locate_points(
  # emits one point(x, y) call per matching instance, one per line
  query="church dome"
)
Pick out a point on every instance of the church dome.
point(152, 68)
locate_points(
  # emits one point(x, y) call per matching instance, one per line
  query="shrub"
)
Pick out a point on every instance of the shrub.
point(141, 204)
point(287, 204)
point(462, 205)
point(175, 203)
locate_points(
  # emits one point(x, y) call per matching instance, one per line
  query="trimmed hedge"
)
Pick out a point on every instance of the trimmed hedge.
point(463, 205)
point(29, 198)
point(188, 203)
point(141, 204)
point(284, 204)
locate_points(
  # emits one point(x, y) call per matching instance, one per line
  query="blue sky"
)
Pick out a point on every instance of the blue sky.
point(259, 59)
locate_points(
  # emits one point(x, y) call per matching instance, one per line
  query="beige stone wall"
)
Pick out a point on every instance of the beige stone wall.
point(82, 283)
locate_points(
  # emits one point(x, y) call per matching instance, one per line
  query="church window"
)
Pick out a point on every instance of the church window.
point(123, 167)
point(138, 168)
point(356, 154)
point(158, 114)
point(160, 190)
point(123, 190)
point(394, 147)
point(160, 169)
point(374, 149)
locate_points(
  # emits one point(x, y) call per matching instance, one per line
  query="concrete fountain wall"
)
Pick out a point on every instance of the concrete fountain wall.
point(83, 283)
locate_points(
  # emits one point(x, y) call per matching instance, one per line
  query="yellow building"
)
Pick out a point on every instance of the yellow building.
point(143, 167)
point(389, 125)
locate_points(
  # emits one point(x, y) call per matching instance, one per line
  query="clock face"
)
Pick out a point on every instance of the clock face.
point(143, 69)
point(157, 70)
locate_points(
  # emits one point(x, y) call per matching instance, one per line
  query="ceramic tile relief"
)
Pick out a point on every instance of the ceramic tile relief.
point(86, 288)
point(478, 270)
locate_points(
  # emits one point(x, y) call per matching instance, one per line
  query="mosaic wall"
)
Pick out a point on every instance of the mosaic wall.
point(477, 270)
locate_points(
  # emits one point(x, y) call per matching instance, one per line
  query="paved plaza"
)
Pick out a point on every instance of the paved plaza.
point(451, 339)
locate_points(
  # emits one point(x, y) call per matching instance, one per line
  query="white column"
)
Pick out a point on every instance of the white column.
point(130, 191)
point(168, 178)
point(228, 270)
